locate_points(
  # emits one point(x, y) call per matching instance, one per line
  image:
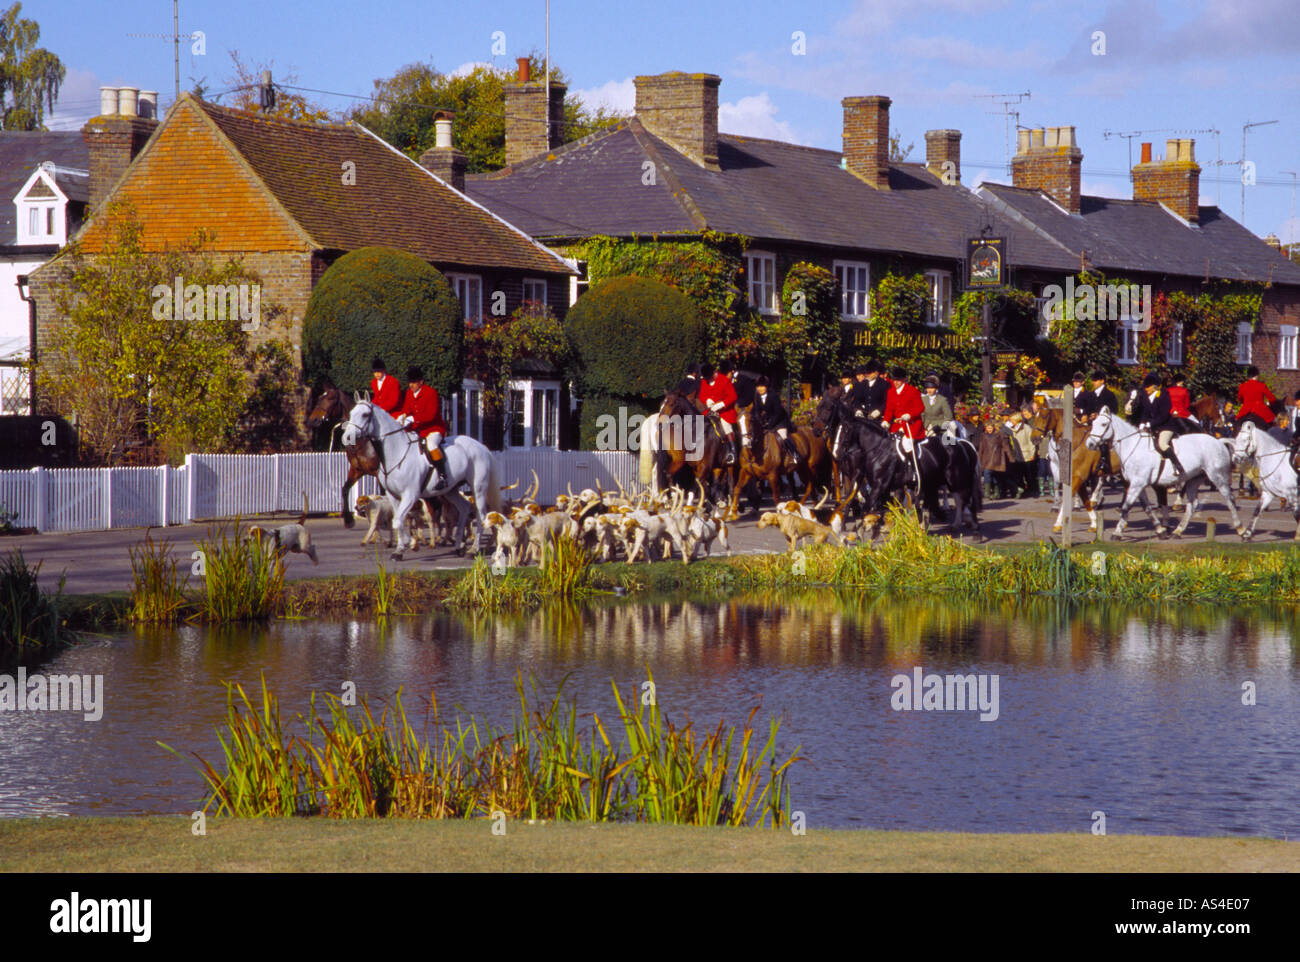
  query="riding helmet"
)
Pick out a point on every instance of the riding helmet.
point(706, 371)
point(414, 373)
point(1077, 377)
point(763, 381)
point(378, 365)
point(1099, 375)
point(1151, 380)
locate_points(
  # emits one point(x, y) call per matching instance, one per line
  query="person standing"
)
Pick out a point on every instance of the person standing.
point(719, 396)
point(384, 390)
point(421, 412)
point(937, 412)
point(1253, 400)
point(993, 452)
point(1022, 436)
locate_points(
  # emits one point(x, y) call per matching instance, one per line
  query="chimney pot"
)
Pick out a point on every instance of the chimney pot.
point(148, 104)
point(1146, 153)
point(127, 98)
point(442, 130)
point(1049, 160)
point(108, 101)
point(1022, 143)
point(1174, 181)
point(525, 69)
point(1049, 136)
point(1036, 137)
point(1171, 150)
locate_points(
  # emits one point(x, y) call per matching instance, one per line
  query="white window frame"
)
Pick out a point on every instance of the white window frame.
point(468, 288)
point(1287, 343)
point(1175, 341)
point(535, 435)
point(940, 283)
point(1246, 339)
point(468, 388)
point(855, 303)
point(1126, 334)
point(760, 273)
point(534, 283)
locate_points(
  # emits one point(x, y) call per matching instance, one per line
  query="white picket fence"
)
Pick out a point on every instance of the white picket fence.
point(214, 486)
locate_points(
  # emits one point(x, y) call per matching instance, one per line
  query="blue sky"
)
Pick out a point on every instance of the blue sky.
point(1169, 67)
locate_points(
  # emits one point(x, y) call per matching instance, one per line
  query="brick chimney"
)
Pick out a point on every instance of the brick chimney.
point(682, 108)
point(526, 115)
point(116, 136)
point(442, 159)
point(1049, 160)
point(942, 147)
point(1174, 181)
point(866, 139)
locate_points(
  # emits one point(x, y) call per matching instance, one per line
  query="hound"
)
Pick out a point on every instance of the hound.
point(702, 530)
point(278, 542)
point(796, 528)
point(802, 510)
point(511, 537)
point(379, 512)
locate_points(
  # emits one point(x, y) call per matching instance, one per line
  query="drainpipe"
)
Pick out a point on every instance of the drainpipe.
point(24, 293)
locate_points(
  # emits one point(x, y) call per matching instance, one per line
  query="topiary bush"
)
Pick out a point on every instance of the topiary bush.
point(633, 337)
point(386, 302)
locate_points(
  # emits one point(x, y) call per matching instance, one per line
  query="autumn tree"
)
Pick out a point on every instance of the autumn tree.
point(245, 93)
point(133, 366)
point(403, 107)
point(29, 75)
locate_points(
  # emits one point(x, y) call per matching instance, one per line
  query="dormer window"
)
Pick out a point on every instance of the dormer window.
point(42, 207)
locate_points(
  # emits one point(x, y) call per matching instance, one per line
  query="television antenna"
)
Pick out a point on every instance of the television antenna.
point(1006, 101)
point(175, 37)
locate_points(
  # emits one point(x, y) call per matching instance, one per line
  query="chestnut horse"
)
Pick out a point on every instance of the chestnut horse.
point(330, 409)
point(771, 462)
point(686, 442)
point(1085, 464)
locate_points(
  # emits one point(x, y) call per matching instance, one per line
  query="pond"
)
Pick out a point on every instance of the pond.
point(1140, 715)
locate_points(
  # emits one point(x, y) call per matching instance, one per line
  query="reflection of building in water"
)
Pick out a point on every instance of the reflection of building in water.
point(1206, 643)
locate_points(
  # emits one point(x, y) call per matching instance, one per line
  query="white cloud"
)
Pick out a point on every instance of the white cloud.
point(78, 101)
point(753, 117)
point(467, 68)
point(618, 96)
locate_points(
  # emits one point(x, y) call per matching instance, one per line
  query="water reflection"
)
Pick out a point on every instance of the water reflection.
point(1136, 713)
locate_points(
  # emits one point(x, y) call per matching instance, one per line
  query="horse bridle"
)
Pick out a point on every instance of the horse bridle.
point(379, 447)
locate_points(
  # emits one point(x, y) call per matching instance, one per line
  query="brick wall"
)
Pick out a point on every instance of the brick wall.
point(682, 109)
point(1174, 181)
point(526, 119)
point(112, 142)
point(866, 139)
point(942, 147)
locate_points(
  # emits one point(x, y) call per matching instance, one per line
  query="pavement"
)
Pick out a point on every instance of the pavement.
point(99, 561)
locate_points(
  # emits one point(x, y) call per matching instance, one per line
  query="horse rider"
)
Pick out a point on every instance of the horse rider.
point(770, 415)
point(422, 413)
point(1180, 402)
point(1253, 400)
point(903, 413)
point(719, 396)
point(1154, 412)
point(870, 392)
point(384, 390)
point(689, 386)
point(1101, 396)
point(745, 384)
point(937, 411)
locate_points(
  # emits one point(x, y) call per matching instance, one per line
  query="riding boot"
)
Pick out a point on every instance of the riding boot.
point(793, 451)
point(733, 447)
point(438, 464)
point(1169, 454)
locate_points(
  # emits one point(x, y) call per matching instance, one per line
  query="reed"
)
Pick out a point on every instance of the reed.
point(565, 569)
point(480, 588)
point(385, 585)
point(30, 617)
point(157, 589)
point(241, 580)
point(351, 764)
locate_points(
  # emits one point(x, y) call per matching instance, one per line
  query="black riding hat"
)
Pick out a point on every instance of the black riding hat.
point(1077, 376)
point(1151, 380)
point(898, 374)
point(1099, 375)
point(377, 364)
point(414, 373)
point(706, 371)
point(865, 368)
point(762, 381)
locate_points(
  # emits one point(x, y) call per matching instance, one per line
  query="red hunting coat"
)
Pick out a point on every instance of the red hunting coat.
point(1254, 397)
point(720, 389)
point(423, 405)
point(387, 395)
point(905, 399)
point(1180, 402)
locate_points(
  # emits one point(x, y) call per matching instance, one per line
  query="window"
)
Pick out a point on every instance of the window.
point(1126, 351)
point(1286, 351)
point(467, 413)
point(1174, 345)
point(533, 414)
point(49, 221)
point(855, 289)
point(578, 283)
point(761, 269)
point(534, 290)
point(33, 221)
point(468, 288)
point(940, 297)
point(1244, 348)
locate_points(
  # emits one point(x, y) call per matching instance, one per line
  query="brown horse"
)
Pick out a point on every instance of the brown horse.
point(772, 462)
point(1085, 463)
point(690, 442)
point(330, 410)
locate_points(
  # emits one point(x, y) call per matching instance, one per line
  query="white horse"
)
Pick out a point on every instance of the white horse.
point(1202, 457)
point(407, 476)
point(1277, 478)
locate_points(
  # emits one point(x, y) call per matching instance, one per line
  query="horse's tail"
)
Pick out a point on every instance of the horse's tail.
point(649, 450)
point(494, 483)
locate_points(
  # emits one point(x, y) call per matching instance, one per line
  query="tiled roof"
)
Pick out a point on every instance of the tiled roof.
point(21, 152)
point(764, 189)
point(394, 201)
point(1142, 236)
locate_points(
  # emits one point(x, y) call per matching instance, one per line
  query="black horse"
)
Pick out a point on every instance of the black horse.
point(946, 461)
point(862, 451)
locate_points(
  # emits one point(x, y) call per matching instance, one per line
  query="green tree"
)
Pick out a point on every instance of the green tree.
point(387, 302)
point(404, 105)
point(30, 76)
point(245, 94)
point(132, 365)
point(493, 347)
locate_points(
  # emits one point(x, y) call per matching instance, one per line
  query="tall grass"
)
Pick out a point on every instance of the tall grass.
point(157, 588)
point(242, 581)
point(565, 569)
point(350, 764)
point(30, 617)
point(480, 588)
point(385, 589)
